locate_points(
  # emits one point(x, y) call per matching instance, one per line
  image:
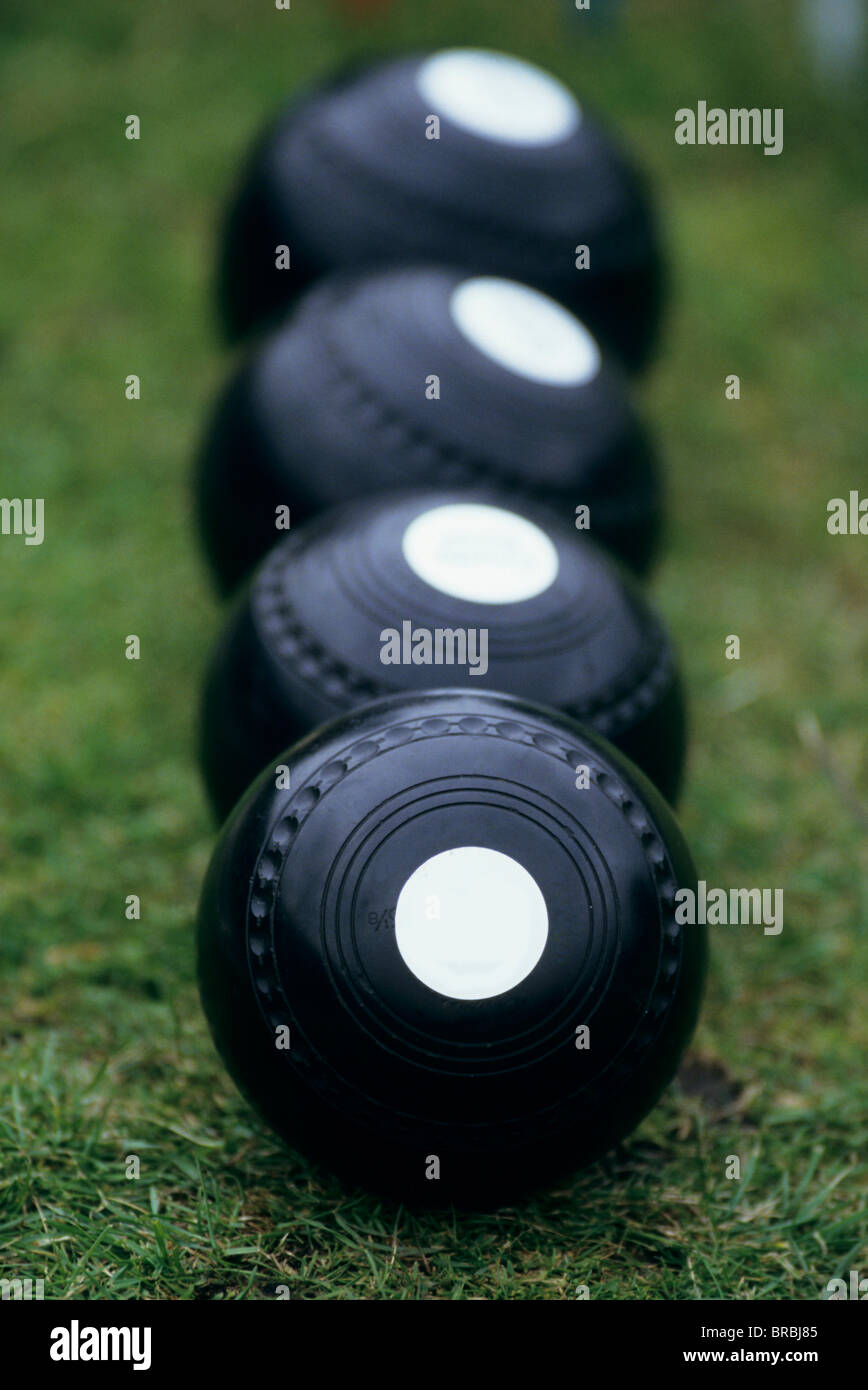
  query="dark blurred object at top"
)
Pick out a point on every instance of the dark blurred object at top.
point(467, 158)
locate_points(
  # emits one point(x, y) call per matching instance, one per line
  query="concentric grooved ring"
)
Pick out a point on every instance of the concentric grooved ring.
point(500, 792)
point(276, 1010)
point(613, 710)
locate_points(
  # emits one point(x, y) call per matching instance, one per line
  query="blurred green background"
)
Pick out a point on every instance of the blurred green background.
point(108, 248)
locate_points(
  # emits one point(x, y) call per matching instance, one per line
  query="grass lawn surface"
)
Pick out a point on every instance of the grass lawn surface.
point(108, 249)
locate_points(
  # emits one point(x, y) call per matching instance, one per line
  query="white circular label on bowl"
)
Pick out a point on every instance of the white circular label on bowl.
point(471, 923)
point(498, 97)
point(525, 331)
point(480, 553)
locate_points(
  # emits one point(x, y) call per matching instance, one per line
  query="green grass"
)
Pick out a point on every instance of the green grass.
point(108, 248)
